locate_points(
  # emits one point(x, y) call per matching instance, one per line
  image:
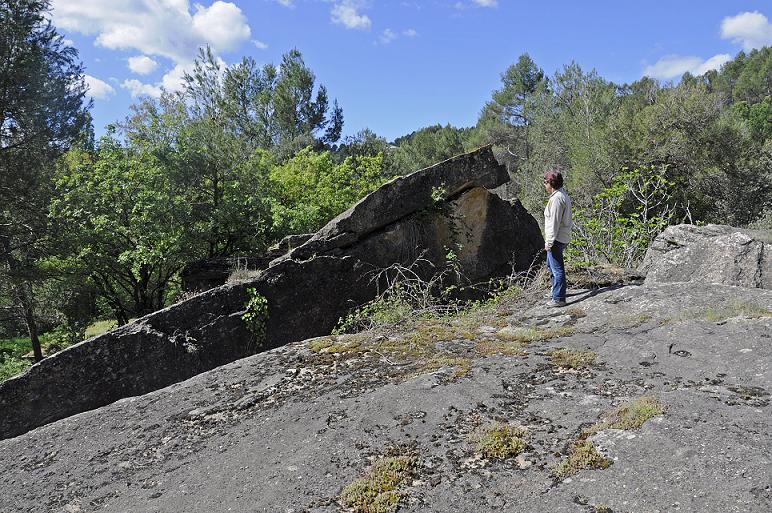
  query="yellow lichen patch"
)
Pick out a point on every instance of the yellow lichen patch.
point(335, 345)
point(630, 415)
point(378, 491)
point(440, 361)
point(500, 440)
point(583, 456)
point(572, 358)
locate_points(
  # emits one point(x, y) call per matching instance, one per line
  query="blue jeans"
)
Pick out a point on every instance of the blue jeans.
point(557, 270)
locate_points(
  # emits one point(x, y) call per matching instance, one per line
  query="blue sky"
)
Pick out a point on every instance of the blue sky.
point(396, 66)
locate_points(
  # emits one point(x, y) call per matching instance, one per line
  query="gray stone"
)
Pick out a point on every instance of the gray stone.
point(709, 254)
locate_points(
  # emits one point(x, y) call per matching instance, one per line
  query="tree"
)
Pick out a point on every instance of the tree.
point(280, 109)
point(42, 112)
point(423, 148)
point(506, 118)
point(126, 223)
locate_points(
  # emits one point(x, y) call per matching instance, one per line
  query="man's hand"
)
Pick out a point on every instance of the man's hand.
point(547, 246)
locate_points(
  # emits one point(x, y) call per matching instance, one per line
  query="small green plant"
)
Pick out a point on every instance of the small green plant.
point(501, 441)
point(572, 358)
point(438, 195)
point(582, 456)
point(630, 415)
point(256, 315)
point(378, 491)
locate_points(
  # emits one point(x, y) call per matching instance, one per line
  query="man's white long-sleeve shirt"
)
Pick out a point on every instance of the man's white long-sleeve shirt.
point(557, 218)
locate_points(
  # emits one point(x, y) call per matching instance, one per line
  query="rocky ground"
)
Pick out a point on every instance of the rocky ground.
point(293, 428)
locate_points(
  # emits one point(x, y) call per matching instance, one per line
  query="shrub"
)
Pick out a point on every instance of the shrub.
point(256, 316)
point(624, 218)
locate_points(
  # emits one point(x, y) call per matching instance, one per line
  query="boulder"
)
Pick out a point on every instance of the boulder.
point(307, 291)
point(709, 254)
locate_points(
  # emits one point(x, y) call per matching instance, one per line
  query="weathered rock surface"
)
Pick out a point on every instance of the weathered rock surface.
point(307, 292)
point(709, 254)
point(287, 429)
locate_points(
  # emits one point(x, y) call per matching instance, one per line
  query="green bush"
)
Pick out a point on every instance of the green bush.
point(624, 218)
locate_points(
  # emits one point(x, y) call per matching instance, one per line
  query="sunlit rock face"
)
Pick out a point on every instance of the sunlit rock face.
point(710, 254)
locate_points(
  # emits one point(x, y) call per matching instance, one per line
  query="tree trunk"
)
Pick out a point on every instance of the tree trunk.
point(32, 328)
point(25, 294)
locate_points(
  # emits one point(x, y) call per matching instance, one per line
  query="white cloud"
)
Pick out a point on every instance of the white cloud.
point(222, 25)
point(137, 88)
point(98, 89)
point(672, 66)
point(165, 28)
point(387, 36)
point(68, 42)
point(142, 64)
point(286, 3)
point(346, 13)
point(487, 3)
point(409, 33)
point(259, 44)
point(751, 29)
point(714, 62)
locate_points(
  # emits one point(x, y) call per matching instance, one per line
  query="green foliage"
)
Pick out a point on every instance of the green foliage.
point(127, 225)
point(256, 316)
point(378, 491)
point(277, 108)
point(310, 189)
point(624, 217)
point(424, 148)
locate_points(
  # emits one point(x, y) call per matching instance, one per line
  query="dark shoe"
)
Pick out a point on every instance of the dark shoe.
point(556, 304)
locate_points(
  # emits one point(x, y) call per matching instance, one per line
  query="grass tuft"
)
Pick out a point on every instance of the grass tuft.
point(501, 441)
point(572, 358)
point(378, 491)
point(631, 415)
point(583, 456)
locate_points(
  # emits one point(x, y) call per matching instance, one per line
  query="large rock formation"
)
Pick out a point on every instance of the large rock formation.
point(709, 254)
point(425, 214)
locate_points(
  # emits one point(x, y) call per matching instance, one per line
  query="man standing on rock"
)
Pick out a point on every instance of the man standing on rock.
point(557, 234)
